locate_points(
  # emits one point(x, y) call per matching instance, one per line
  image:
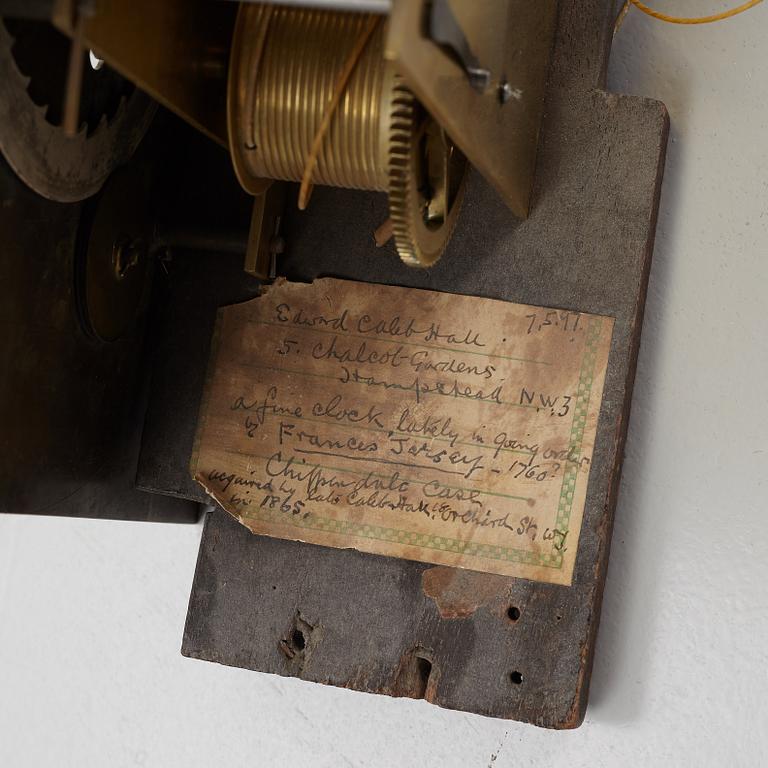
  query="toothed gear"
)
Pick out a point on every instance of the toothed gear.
point(419, 242)
point(56, 166)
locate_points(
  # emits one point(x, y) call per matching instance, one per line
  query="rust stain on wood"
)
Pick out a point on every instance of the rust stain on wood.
point(459, 593)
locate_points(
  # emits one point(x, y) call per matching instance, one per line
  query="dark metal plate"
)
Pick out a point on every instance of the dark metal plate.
point(71, 407)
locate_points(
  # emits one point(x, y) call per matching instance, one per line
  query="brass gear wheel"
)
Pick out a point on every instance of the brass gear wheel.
point(426, 181)
point(284, 69)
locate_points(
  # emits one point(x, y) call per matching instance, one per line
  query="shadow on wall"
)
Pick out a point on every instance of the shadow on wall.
point(623, 655)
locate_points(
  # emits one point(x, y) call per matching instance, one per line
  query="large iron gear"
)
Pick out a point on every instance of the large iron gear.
point(56, 166)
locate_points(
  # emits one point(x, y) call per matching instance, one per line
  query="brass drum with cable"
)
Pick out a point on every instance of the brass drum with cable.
point(311, 97)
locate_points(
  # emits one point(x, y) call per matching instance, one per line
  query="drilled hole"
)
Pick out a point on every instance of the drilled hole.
point(513, 613)
point(516, 678)
point(297, 639)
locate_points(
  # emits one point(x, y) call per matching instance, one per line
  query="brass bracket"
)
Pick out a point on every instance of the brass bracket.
point(265, 242)
point(175, 50)
point(497, 126)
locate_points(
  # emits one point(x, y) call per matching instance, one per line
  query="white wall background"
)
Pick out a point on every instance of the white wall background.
point(91, 612)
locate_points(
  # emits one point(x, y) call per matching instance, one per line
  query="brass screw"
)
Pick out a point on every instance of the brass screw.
point(126, 253)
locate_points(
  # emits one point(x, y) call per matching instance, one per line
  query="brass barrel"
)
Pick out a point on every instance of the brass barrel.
point(284, 66)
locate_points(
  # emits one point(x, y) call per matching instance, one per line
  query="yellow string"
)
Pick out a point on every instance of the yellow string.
point(696, 20)
point(305, 189)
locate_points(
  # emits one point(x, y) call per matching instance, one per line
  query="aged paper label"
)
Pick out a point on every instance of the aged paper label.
point(428, 426)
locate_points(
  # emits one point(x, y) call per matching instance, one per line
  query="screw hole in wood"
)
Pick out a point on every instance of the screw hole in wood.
point(297, 640)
